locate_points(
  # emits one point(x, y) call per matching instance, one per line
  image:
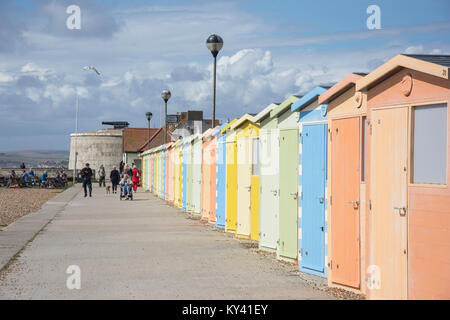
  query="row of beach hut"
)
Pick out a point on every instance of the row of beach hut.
point(350, 181)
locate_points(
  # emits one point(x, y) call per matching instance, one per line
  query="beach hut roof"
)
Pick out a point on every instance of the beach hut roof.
point(308, 98)
point(207, 133)
point(228, 126)
point(178, 142)
point(187, 139)
point(265, 112)
point(246, 117)
point(154, 150)
point(440, 59)
point(340, 87)
point(436, 65)
point(283, 106)
point(219, 129)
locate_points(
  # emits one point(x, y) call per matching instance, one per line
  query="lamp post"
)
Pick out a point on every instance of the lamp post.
point(87, 68)
point(75, 142)
point(165, 95)
point(214, 43)
point(149, 116)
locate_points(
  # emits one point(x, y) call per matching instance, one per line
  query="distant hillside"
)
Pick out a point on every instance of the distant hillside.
point(34, 158)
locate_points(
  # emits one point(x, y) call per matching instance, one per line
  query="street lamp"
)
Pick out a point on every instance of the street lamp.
point(149, 116)
point(165, 95)
point(214, 43)
point(87, 68)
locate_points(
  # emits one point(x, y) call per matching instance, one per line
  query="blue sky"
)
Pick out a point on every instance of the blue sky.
point(272, 49)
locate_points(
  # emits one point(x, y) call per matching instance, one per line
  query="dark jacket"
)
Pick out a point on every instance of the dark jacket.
point(86, 174)
point(114, 176)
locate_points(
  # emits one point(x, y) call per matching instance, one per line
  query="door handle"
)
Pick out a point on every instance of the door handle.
point(274, 192)
point(401, 210)
point(355, 204)
point(321, 199)
point(294, 194)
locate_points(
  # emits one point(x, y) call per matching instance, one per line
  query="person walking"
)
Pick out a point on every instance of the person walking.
point(115, 178)
point(136, 177)
point(86, 175)
point(121, 166)
point(101, 176)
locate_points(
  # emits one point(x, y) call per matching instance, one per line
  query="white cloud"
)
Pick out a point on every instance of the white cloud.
point(110, 83)
point(4, 77)
point(128, 76)
point(414, 49)
point(33, 94)
point(436, 51)
point(31, 67)
point(82, 92)
point(58, 93)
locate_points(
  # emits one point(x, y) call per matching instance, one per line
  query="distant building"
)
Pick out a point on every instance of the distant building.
point(133, 139)
point(96, 148)
point(191, 122)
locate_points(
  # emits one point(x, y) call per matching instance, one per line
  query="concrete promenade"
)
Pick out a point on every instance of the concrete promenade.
point(141, 249)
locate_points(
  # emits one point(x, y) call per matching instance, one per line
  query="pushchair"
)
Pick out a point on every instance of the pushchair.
point(122, 195)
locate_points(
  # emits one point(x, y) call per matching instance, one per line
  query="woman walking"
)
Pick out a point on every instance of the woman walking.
point(115, 178)
point(121, 166)
point(136, 177)
point(101, 176)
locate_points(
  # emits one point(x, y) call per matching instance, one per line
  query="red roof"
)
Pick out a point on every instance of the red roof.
point(134, 138)
point(156, 140)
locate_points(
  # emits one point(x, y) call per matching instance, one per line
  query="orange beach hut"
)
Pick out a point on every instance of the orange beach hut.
point(408, 196)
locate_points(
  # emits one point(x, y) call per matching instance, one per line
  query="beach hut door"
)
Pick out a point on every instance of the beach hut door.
point(388, 195)
point(313, 196)
point(288, 242)
point(269, 199)
point(345, 202)
point(244, 185)
point(221, 182)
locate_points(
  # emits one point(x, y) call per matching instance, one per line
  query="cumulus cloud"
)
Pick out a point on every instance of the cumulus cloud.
point(247, 80)
point(4, 77)
point(414, 49)
point(187, 73)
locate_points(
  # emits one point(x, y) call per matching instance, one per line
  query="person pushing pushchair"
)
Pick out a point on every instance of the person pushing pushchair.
point(126, 190)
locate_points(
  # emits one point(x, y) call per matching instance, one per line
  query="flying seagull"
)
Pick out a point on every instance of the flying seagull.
point(91, 68)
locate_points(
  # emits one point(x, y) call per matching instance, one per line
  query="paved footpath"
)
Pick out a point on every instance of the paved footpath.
point(141, 249)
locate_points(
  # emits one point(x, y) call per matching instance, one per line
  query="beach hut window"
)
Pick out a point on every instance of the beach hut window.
point(430, 144)
point(255, 157)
